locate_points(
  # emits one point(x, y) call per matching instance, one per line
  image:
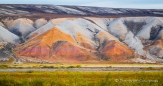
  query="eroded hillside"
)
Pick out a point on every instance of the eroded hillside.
point(82, 39)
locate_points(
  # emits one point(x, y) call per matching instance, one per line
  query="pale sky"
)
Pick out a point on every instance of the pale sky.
point(143, 4)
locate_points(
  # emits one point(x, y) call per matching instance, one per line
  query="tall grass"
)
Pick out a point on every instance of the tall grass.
point(68, 78)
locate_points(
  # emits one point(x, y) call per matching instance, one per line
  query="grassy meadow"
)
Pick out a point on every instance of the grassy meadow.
point(72, 78)
point(69, 78)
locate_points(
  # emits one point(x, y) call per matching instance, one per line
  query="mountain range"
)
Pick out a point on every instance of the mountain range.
point(79, 34)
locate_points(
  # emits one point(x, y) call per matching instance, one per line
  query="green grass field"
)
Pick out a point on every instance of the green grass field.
point(69, 78)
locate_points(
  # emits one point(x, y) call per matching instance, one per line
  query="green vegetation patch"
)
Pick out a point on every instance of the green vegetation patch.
point(68, 78)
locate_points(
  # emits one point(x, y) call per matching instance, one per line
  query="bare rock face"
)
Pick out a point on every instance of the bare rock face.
point(1, 24)
point(116, 51)
point(7, 36)
point(40, 22)
point(88, 46)
point(48, 38)
point(118, 29)
point(155, 50)
point(21, 27)
point(40, 50)
point(54, 35)
point(5, 51)
point(60, 51)
point(70, 52)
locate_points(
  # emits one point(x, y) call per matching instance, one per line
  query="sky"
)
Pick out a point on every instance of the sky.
point(142, 4)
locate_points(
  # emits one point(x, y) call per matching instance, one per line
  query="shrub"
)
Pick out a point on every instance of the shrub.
point(36, 66)
point(3, 66)
point(62, 67)
point(150, 68)
point(78, 66)
point(48, 67)
point(30, 71)
point(109, 67)
point(71, 67)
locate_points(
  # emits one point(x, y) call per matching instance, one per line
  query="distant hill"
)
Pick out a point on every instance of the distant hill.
point(55, 11)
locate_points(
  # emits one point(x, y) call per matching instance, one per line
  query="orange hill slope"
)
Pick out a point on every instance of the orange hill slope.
point(116, 51)
point(53, 46)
